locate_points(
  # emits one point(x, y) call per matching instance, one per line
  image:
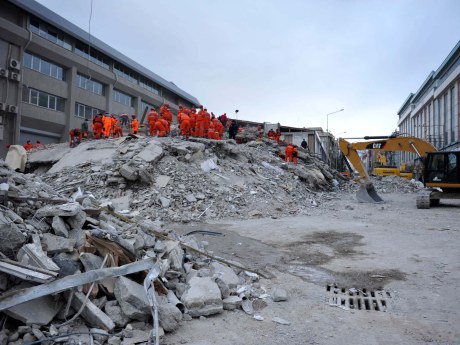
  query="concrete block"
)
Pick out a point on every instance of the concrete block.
point(67, 264)
point(56, 244)
point(226, 274)
point(162, 181)
point(11, 239)
point(33, 254)
point(132, 299)
point(91, 261)
point(137, 337)
point(121, 203)
point(64, 210)
point(59, 227)
point(165, 202)
point(77, 221)
point(279, 294)
point(145, 176)
point(116, 314)
point(232, 302)
point(128, 172)
point(39, 311)
point(169, 316)
point(152, 153)
point(190, 198)
point(16, 158)
point(202, 297)
point(92, 314)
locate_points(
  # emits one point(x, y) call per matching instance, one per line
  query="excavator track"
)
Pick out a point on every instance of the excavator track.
point(423, 199)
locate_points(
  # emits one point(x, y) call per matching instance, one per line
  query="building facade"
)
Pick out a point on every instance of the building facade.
point(433, 112)
point(53, 75)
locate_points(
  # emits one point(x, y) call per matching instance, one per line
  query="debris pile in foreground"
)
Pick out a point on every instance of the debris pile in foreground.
point(80, 255)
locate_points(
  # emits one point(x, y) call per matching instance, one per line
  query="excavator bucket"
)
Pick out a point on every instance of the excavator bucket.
point(367, 194)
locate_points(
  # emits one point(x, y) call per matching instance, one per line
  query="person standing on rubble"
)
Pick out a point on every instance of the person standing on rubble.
point(288, 153)
point(152, 118)
point(233, 130)
point(134, 124)
point(278, 136)
point(98, 126)
point(75, 137)
point(84, 128)
point(304, 144)
point(295, 153)
point(28, 145)
point(166, 114)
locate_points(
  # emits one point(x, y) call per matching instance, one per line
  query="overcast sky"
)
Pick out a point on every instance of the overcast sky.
point(287, 61)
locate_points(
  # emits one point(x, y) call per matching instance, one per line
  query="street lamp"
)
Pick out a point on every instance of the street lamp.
point(236, 113)
point(327, 118)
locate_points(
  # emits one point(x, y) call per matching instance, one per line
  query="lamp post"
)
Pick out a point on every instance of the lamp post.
point(236, 114)
point(327, 118)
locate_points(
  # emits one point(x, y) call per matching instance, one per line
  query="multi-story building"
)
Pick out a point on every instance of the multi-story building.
point(433, 112)
point(53, 75)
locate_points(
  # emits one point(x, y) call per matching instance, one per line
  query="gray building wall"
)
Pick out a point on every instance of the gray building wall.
point(34, 122)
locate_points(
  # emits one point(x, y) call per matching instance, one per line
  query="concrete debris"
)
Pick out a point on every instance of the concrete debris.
point(111, 199)
point(281, 321)
point(279, 294)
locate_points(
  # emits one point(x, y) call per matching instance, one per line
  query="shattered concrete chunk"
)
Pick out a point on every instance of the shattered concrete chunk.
point(77, 221)
point(162, 181)
point(226, 274)
point(56, 244)
point(64, 210)
point(279, 294)
point(59, 227)
point(39, 311)
point(11, 239)
point(129, 173)
point(91, 261)
point(33, 254)
point(202, 297)
point(132, 299)
point(92, 314)
point(232, 302)
point(116, 314)
point(170, 316)
point(152, 153)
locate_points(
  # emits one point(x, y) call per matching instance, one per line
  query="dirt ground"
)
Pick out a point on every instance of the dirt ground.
point(408, 259)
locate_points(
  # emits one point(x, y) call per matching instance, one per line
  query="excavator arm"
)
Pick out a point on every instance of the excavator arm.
point(367, 191)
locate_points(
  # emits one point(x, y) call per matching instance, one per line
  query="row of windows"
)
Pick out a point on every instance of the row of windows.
point(41, 65)
point(43, 99)
point(50, 33)
point(122, 98)
point(146, 105)
point(85, 111)
point(90, 84)
point(56, 36)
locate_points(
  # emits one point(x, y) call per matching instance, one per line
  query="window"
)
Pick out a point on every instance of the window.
point(122, 98)
point(125, 72)
point(89, 84)
point(50, 33)
point(43, 99)
point(149, 85)
point(85, 111)
point(41, 65)
point(92, 54)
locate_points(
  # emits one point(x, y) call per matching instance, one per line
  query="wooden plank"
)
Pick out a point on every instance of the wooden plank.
point(9, 300)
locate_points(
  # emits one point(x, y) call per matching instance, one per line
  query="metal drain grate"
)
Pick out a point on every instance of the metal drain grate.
point(360, 299)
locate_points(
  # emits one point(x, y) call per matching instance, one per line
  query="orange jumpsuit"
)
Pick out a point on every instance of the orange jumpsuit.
point(205, 122)
point(134, 126)
point(162, 127)
point(107, 121)
point(28, 146)
point(117, 131)
point(166, 114)
point(97, 126)
point(74, 135)
point(277, 136)
point(219, 128)
point(185, 125)
point(295, 152)
point(199, 126)
point(152, 118)
point(192, 113)
point(288, 152)
point(271, 134)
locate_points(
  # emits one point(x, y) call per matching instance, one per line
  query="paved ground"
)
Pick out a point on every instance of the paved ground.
point(412, 254)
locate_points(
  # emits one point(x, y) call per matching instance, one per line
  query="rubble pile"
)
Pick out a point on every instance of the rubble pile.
point(181, 181)
point(395, 184)
point(72, 271)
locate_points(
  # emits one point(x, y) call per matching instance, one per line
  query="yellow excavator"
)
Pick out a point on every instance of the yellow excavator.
point(440, 171)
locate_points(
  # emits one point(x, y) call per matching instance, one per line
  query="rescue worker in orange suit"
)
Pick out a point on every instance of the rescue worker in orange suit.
point(288, 152)
point(219, 128)
point(117, 131)
point(38, 144)
point(152, 118)
point(107, 122)
point(199, 126)
point(192, 114)
point(134, 124)
point(162, 127)
point(277, 136)
point(271, 134)
point(206, 121)
point(295, 153)
point(28, 145)
point(211, 132)
point(98, 126)
point(75, 137)
point(179, 114)
point(166, 114)
point(185, 125)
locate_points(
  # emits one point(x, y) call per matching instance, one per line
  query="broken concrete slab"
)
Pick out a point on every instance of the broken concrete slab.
point(64, 210)
point(202, 297)
point(129, 172)
point(90, 261)
point(12, 239)
point(40, 311)
point(59, 227)
point(132, 299)
point(232, 302)
point(116, 314)
point(56, 244)
point(16, 158)
point(77, 221)
point(170, 316)
point(33, 254)
point(121, 203)
point(162, 181)
point(226, 274)
point(92, 314)
point(165, 202)
point(152, 153)
point(279, 294)
point(190, 198)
